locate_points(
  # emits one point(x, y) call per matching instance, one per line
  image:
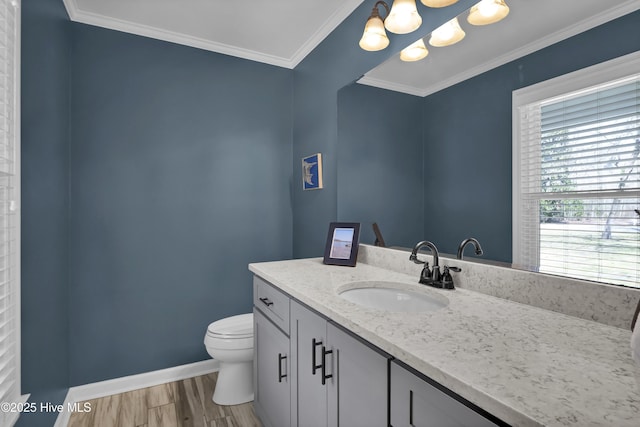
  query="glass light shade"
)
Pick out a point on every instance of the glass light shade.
point(438, 3)
point(374, 37)
point(447, 34)
point(403, 18)
point(414, 52)
point(488, 12)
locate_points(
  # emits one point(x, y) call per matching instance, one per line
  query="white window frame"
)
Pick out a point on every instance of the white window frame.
point(11, 416)
point(598, 74)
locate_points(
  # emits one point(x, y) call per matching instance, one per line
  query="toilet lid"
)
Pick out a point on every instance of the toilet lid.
point(240, 326)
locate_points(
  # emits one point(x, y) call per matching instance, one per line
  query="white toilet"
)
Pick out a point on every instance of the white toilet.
point(230, 341)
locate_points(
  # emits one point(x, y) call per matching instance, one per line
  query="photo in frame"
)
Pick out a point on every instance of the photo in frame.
point(312, 172)
point(342, 244)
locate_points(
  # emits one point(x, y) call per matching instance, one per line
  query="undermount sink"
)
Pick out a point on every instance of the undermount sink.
point(391, 296)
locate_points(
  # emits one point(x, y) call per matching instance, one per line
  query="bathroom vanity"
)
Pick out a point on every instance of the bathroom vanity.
point(476, 360)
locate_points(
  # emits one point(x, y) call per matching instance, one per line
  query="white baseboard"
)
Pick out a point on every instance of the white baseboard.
point(133, 382)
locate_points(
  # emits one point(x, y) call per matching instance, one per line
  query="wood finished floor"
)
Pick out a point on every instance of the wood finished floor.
point(185, 403)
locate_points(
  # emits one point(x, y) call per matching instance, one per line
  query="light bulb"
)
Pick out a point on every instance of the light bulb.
point(374, 37)
point(447, 34)
point(403, 17)
point(488, 12)
point(414, 52)
point(487, 8)
point(438, 3)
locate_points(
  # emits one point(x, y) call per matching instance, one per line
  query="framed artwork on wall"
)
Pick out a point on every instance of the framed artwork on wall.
point(312, 172)
point(342, 243)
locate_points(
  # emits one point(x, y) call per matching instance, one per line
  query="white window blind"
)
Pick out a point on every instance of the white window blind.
point(577, 179)
point(9, 207)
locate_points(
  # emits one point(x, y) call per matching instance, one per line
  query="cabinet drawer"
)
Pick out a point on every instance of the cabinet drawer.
point(273, 303)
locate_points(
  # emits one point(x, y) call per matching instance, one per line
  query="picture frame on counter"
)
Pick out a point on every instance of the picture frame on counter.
point(342, 244)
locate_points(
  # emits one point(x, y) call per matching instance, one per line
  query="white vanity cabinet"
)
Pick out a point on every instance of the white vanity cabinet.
point(337, 380)
point(271, 362)
point(416, 403)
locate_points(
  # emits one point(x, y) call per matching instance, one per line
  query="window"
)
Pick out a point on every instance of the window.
point(576, 174)
point(9, 207)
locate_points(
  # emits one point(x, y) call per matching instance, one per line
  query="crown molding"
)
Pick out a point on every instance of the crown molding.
point(110, 23)
point(385, 84)
point(575, 29)
point(347, 7)
point(336, 18)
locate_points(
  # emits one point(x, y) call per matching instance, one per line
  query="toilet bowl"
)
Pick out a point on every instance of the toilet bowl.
point(230, 341)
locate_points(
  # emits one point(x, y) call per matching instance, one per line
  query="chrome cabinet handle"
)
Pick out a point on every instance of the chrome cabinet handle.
point(281, 357)
point(266, 301)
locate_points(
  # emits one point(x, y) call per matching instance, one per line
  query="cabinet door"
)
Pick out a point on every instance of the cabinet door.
point(416, 403)
point(309, 394)
point(358, 394)
point(271, 374)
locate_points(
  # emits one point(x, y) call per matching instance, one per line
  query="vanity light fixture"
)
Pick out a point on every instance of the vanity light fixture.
point(375, 37)
point(403, 18)
point(488, 12)
point(447, 34)
point(438, 3)
point(414, 52)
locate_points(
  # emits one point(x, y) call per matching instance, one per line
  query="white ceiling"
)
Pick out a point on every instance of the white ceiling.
point(277, 32)
point(530, 26)
point(283, 32)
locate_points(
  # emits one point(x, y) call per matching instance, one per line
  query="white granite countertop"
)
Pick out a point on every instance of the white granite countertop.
point(525, 365)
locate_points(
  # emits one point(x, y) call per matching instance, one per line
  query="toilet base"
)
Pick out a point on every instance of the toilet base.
point(235, 383)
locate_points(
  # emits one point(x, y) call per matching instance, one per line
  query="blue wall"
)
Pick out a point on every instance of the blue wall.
point(45, 173)
point(380, 163)
point(467, 127)
point(180, 176)
point(152, 175)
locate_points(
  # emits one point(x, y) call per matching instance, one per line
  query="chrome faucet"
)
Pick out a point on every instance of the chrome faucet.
point(465, 242)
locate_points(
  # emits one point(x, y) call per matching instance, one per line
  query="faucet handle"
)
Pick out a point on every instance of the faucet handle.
point(447, 279)
point(426, 274)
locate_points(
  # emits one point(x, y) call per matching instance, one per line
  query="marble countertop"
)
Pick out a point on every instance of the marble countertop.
point(526, 365)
